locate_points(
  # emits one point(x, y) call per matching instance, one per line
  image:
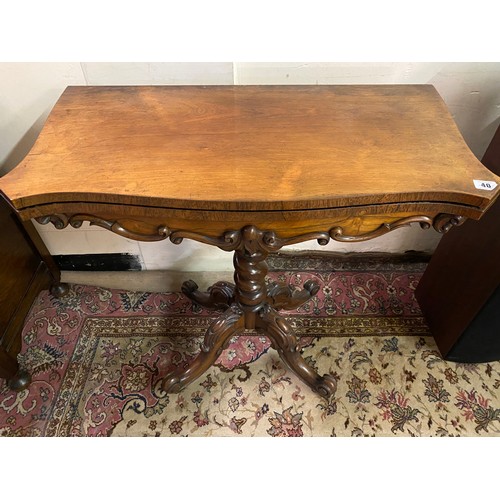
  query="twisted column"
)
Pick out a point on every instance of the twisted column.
point(250, 270)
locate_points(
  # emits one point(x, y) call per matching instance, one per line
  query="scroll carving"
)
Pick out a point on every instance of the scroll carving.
point(219, 296)
point(60, 221)
point(287, 297)
point(285, 341)
point(444, 222)
point(337, 233)
point(218, 335)
point(250, 236)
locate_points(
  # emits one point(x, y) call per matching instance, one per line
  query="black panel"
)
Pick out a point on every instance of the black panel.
point(480, 342)
point(99, 262)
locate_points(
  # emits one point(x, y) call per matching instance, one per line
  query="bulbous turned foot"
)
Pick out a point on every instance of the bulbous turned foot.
point(20, 381)
point(59, 290)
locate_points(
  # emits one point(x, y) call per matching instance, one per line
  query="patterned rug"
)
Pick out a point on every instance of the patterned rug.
point(97, 357)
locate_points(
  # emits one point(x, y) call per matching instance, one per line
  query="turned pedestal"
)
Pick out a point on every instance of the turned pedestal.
point(252, 305)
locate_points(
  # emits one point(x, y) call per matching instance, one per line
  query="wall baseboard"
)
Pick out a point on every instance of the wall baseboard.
point(144, 281)
point(98, 262)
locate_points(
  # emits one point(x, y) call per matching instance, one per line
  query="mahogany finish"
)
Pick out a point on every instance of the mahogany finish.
point(24, 272)
point(462, 276)
point(250, 169)
point(248, 148)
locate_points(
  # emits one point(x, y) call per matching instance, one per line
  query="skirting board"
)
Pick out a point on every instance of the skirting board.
point(150, 281)
point(169, 280)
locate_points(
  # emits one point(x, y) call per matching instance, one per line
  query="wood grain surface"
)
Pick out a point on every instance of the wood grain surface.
point(250, 148)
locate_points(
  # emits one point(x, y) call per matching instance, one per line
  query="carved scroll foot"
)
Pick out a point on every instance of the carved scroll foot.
point(59, 290)
point(287, 297)
point(230, 323)
point(285, 341)
point(219, 296)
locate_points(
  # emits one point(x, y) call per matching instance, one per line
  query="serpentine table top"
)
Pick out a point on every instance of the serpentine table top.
point(250, 169)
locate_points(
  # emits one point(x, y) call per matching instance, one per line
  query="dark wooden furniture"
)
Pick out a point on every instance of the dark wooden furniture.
point(459, 292)
point(250, 169)
point(24, 272)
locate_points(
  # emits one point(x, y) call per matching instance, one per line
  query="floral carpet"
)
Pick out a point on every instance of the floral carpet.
point(97, 358)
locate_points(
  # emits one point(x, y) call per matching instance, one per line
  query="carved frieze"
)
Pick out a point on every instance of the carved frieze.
point(250, 236)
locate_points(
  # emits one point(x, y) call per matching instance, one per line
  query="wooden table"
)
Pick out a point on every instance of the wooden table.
point(251, 169)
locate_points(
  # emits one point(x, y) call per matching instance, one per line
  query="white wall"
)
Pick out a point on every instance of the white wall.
point(29, 90)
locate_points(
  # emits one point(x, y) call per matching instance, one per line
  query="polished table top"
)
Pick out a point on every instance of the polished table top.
point(250, 148)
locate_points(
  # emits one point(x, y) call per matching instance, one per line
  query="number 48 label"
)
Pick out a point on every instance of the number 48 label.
point(486, 185)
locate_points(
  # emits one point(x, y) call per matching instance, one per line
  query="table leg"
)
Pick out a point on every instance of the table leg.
point(285, 341)
point(18, 379)
point(218, 296)
point(59, 290)
point(286, 297)
point(250, 304)
point(219, 333)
